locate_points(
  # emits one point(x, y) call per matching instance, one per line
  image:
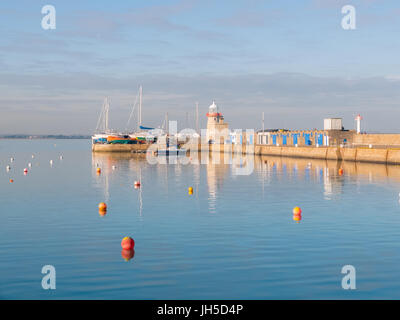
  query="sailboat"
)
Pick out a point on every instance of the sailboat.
point(102, 132)
point(142, 134)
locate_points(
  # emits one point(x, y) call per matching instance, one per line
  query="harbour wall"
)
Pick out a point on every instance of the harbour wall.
point(381, 155)
point(378, 139)
point(357, 154)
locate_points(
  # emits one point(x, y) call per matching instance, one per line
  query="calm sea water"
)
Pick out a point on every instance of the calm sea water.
point(234, 238)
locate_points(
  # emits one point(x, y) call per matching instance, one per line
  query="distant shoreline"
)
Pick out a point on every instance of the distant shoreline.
point(35, 137)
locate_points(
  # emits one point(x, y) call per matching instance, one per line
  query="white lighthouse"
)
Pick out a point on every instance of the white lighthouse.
point(215, 125)
point(358, 123)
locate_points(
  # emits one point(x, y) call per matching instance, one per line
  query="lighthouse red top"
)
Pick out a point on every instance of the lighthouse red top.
point(213, 111)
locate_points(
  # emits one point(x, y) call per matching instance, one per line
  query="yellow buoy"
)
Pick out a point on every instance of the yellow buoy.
point(190, 189)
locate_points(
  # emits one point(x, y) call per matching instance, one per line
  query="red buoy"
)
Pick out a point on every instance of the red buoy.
point(127, 243)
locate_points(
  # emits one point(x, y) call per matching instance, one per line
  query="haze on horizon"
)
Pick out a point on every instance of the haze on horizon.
point(291, 60)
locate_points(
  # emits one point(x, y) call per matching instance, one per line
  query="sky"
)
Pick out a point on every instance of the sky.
point(290, 59)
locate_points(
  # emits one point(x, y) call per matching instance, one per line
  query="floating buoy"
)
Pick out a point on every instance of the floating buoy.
point(25, 170)
point(340, 171)
point(12, 159)
point(11, 180)
point(8, 168)
point(127, 254)
point(103, 212)
point(113, 167)
point(127, 243)
point(190, 189)
point(29, 165)
point(98, 170)
point(61, 157)
point(102, 206)
point(137, 184)
point(297, 211)
point(51, 162)
point(33, 156)
point(297, 214)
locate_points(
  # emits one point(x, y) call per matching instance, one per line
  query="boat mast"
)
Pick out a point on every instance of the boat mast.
point(140, 108)
point(263, 123)
point(197, 117)
point(101, 117)
point(107, 107)
point(166, 123)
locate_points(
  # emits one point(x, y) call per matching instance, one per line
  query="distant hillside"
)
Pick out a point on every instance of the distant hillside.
point(49, 136)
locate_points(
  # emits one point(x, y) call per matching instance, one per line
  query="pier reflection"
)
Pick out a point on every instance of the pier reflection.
point(220, 167)
point(326, 172)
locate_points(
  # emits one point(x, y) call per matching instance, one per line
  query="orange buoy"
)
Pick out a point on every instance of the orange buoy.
point(98, 170)
point(127, 243)
point(341, 171)
point(137, 184)
point(102, 206)
point(11, 180)
point(127, 254)
point(297, 211)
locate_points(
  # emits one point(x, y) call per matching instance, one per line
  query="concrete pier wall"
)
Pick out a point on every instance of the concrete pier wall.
point(361, 154)
point(377, 139)
point(389, 156)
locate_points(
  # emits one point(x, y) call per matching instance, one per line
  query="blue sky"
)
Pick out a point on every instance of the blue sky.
point(290, 59)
